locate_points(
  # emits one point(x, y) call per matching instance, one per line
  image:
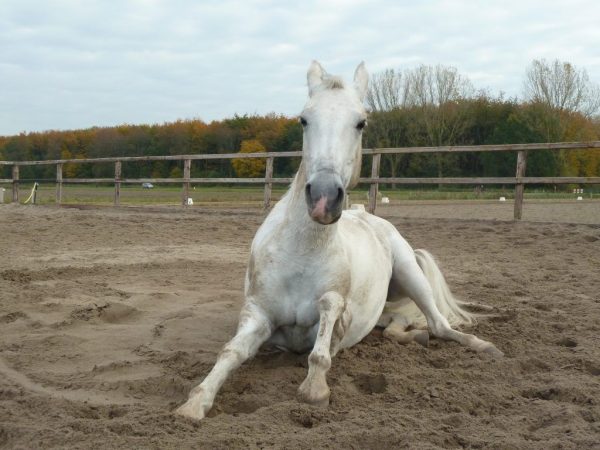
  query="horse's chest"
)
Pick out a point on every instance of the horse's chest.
point(295, 292)
point(290, 290)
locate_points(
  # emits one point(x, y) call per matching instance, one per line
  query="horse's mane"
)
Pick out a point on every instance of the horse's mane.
point(332, 82)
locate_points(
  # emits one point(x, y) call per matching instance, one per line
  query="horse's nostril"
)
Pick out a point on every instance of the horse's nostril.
point(307, 189)
point(340, 197)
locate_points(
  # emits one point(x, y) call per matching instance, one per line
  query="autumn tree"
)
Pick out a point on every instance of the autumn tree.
point(250, 167)
point(558, 91)
point(561, 100)
point(70, 170)
point(585, 162)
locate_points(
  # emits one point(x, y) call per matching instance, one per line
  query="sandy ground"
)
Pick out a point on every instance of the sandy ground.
point(109, 317)
point(561, 211)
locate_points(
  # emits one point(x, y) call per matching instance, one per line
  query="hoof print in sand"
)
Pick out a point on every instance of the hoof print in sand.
point(307, 418)
point(108, 313)
point(371, 384)
point(567, 342)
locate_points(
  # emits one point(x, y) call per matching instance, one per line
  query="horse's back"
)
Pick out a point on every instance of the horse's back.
point(385, 231)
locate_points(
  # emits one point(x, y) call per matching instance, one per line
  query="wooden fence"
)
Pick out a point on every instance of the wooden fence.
point(519, 180)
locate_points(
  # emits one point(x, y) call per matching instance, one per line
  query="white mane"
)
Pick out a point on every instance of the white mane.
point(332, 82)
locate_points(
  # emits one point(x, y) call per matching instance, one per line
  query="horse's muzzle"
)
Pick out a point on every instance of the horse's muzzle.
point(325, 197)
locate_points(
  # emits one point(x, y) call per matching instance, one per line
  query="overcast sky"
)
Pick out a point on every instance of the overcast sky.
point(77, 64)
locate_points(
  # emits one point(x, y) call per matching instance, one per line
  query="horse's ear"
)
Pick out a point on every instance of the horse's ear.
point(361, 80)
point(314, 76)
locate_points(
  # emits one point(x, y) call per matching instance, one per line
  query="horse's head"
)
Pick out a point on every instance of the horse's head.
point(333, 120)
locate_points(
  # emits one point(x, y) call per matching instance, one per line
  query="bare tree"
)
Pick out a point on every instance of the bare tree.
point(562, 86)
point(388, 94)
point(432, 94)
point(423, 86)
point(436, 92)
point(387, 90)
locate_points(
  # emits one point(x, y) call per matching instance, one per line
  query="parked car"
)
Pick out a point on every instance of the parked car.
point(147, 185)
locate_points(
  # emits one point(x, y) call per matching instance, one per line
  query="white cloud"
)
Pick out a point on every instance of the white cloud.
point(71, 64)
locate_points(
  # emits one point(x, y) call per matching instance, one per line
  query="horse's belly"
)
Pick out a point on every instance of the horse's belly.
point(295, 338)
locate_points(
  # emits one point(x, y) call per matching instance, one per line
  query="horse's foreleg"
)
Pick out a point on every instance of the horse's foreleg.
point(314, 389)
point(253, 330)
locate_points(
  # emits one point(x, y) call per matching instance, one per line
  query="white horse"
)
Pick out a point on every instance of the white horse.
point(319, 277)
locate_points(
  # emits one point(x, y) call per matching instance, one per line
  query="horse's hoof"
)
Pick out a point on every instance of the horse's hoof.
point(187, 410)
point(422, 337)
point(314, 398)
point(492, 351)
point(321, 402)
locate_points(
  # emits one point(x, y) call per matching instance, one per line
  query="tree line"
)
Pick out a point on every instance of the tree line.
point(423, 106)
point(435, 106)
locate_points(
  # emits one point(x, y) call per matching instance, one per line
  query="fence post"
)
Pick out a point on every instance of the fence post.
point(374, 189)
point(59, 179)
point(118, 183)
point(268, 182)
point(34, 193)
point(187, 165)
point(15, 184)
point(521, 165)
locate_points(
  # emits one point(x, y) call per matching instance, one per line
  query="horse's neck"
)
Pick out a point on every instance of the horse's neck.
point(297, 223)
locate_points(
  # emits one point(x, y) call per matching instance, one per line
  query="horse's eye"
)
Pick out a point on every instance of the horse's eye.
point(360, 125)
point(303, 121)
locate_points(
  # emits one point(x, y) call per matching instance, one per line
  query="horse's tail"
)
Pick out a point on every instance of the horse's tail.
point(450, 307)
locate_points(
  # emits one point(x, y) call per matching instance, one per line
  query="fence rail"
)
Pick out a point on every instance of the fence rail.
point(519, 180)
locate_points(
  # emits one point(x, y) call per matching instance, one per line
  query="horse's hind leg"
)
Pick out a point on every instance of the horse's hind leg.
point(314, 389)
point(396, 330)
point(254, 328)
point(408, 274)
point(415, 284)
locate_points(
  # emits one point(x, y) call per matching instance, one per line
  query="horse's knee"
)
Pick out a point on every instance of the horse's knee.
point(241, 347)
point(233, 354)
point(331, 302)
point(320, 360)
